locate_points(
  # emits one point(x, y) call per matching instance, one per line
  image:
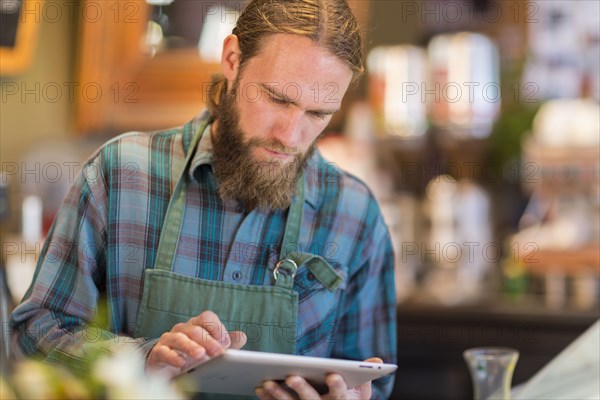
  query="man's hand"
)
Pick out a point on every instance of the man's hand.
point(192, 342)
point(337, 388)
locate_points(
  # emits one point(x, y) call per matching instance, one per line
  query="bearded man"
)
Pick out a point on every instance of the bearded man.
point(232, 230)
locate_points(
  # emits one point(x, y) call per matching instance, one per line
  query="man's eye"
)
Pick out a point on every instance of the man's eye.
point(319, 115)
point(277, 101)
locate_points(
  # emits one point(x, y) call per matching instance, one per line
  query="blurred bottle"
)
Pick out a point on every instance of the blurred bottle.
point(515, 278)
point(464, 94)
point(31, 225)
point(460, 247)
point(397, 75)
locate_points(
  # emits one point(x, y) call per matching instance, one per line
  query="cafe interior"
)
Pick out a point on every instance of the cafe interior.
point(476, 126)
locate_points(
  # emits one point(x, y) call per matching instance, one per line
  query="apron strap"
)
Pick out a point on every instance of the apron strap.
point(294, 222)
point(290, 260)
point(285, 269)
point(169, 236)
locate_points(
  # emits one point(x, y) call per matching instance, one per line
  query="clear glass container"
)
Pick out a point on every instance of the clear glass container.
point(491, 371)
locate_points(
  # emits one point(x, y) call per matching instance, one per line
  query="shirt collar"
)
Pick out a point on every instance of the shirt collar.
point(204, 152)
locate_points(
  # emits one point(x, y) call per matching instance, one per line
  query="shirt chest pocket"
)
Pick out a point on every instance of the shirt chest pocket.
point(318, 277)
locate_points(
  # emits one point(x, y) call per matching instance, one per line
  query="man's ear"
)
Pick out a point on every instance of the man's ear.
point(230, 59)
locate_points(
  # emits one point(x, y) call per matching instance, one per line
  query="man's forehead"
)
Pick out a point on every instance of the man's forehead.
point(293, 65)
point(302, 53)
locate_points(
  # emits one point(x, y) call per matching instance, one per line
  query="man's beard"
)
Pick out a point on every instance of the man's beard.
point(267, 185)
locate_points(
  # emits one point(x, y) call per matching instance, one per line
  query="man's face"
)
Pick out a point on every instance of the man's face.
point(272, 114)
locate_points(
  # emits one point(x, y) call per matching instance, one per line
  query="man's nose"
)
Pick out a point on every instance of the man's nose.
point(288, 129)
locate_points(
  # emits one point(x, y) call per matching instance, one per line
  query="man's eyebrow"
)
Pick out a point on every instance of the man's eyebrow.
point(282, 96)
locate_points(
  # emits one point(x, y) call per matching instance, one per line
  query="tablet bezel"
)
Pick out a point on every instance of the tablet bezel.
point(238, 372)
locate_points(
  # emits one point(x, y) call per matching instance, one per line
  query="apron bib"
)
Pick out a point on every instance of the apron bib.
point(266, 314)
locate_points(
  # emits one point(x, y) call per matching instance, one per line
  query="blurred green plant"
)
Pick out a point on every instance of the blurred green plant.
point(505, 140)
point(109, 369)
point(115, 374)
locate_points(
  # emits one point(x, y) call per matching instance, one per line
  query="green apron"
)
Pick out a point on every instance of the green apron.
point(267, 314)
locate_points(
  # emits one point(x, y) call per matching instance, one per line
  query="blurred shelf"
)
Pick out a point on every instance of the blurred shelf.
point(570, 261)
point(558, 156)
point(554, 170)
point(529, 310)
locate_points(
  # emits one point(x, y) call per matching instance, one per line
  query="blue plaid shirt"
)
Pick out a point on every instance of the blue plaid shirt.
point(106, 234)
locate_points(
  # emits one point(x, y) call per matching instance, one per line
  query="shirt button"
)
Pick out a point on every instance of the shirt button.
point(237, 275)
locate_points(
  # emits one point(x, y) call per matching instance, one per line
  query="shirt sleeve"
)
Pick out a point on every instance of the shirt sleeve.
point(367, 327)
point(56, 320)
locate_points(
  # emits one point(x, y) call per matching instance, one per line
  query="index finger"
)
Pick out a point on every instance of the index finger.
point(211, 323)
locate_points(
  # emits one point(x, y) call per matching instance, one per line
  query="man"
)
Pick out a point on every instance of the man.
point(231, 231)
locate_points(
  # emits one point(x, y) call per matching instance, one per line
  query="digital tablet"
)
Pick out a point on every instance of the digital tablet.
point(239, 372)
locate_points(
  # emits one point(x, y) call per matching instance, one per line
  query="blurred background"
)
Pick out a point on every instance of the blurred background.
point(477, 126)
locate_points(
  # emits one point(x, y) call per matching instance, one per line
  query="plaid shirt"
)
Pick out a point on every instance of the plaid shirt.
point(106, 234)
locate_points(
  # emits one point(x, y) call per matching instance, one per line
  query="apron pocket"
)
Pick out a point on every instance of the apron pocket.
point(268, 314)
